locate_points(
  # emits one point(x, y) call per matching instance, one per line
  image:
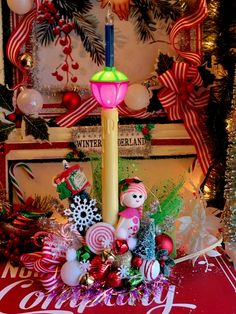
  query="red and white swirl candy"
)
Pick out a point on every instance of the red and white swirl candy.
point(99, 237)
point(150, 269)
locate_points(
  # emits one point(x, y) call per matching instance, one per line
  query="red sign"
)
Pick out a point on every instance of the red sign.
point(206, 288)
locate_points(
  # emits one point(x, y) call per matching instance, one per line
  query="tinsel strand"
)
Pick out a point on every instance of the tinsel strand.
point(229, 214)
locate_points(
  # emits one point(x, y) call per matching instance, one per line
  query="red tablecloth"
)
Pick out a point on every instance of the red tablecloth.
point(198, 290)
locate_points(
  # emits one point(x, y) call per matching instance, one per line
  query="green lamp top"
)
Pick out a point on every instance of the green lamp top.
point(109, 74)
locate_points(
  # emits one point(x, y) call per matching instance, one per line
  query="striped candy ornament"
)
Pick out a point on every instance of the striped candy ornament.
point(150, 269)
point(99, 237)
point(15, 183)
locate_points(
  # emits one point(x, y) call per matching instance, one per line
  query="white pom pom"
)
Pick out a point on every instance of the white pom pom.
point(132, 242)
point(71, 255)
point(121, 233)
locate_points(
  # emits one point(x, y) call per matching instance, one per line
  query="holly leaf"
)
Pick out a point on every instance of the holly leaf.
point(36, 127)
point(164, 63)
point(166, 271)
point(207, 77)
point(6, 98)
point(5, 130)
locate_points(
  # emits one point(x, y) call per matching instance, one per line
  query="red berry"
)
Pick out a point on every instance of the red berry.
point(12, 235)
point(145, 130)
point(75, 66)
point(56, 30)
point(67, 28)
point(61, 22)
point(3, 237)
point(16, 240)
point(11, 117)
point(57, 16)
point(54, 73)
point(16, 251)
point(6, 253)
point(47, 16)
point(63, 41)
point(51, 20)
point(40, 19)
point(65, 67)
point(59, 77)
point(67, 50)
point(74, 79)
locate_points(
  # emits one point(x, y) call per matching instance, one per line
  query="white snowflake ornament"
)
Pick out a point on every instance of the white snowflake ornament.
point(82, 213)
point(123, 271)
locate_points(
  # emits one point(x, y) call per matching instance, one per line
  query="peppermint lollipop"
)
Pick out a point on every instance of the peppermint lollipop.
point(100, 236)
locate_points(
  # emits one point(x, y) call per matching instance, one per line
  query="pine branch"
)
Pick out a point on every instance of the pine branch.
point(68, 7)
point(5, 130)
point(146, 13)
point(36, 127)
point(44, 33)
point(92, 43)
point(144, 24)
point(166, 10)
point(164, 63)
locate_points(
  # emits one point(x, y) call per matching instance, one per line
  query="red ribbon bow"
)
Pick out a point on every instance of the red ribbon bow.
point(181, 101)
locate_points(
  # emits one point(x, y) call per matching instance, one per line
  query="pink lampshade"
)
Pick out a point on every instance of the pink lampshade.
point(109, 95)
point(109, 87)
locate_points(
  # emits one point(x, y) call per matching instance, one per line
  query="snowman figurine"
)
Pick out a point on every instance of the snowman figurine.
point(132, 197)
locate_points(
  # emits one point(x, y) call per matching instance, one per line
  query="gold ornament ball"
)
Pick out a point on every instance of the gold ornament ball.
point(124, 259)
point(87, 280)
point(26, 61)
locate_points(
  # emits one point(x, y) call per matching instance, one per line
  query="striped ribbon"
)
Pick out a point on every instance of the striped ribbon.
point(15, 183)
point(181, 101)
point(189, 22)
point(49, 261)
point(69, 119)
point(178, 96)
point(46, 263)
point(18, 38)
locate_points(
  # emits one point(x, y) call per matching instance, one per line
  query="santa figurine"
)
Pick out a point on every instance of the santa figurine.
point(132, 197)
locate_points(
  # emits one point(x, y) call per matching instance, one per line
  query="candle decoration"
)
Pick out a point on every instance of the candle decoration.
point(109, 87)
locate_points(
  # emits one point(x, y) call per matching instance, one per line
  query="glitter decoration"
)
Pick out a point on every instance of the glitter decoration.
point(145, 247)
point(229, 214)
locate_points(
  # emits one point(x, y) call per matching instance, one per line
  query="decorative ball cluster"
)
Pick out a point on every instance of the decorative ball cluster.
point(14, 244)
point(48, 13)
point(61, 30)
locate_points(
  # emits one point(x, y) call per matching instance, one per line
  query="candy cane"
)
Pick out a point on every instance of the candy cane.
point(15, 183)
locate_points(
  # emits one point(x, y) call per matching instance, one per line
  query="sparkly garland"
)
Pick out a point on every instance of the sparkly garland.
point(229, 214)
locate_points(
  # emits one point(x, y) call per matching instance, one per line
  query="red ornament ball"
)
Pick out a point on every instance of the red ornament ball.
point(164, 242)
point(71, 100)
point(120, 247)
point(11, 117)
point(136, 261)
point(114, 280)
